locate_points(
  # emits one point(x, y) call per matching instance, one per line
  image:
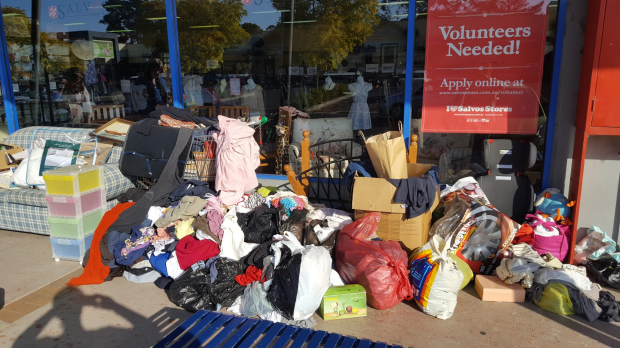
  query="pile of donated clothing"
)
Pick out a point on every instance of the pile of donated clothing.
point(251, 249)
point(261, 252)
point(471, 237)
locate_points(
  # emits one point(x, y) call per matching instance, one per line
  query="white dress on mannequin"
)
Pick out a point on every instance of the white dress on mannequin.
point(360, 113)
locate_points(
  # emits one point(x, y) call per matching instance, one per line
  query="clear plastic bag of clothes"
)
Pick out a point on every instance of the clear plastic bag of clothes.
point(254, 300)
point(449, 223)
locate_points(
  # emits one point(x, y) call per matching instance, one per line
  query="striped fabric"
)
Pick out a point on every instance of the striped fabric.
point(23, 138)
point(26, 209)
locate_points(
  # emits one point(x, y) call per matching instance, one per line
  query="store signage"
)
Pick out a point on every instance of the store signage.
point(74, 9)
point(212, 64)
point(293, 70)
point(103, 49)
point(387, 68)
point(370, 68)
point(312, 70)
point(15, 88)
point(483, 66)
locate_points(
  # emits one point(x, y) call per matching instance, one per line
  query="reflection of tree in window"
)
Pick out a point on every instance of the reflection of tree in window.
point(328, 30)
point(206, 28)
point(56, 55)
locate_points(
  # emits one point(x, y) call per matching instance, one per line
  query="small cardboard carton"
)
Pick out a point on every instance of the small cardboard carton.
point(491, 288)
point(342, 302)
point(11, 150)
point(377, 195)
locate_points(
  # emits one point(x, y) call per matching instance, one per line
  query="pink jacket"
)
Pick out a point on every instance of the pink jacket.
point(237, 159)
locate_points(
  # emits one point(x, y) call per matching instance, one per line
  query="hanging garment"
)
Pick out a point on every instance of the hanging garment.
point(254, 99)
point(90, 73)
point(193, 89)
point(417, 193)
point(360, 113)
point(237, 159)
point(139, 97)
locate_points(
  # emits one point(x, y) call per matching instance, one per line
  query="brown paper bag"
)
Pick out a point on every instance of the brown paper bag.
point(388, 154)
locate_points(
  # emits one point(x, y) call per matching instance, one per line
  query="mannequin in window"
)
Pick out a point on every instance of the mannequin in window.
point(252, 95)
point(360, 113)
point(329, 84)
point(155, 86)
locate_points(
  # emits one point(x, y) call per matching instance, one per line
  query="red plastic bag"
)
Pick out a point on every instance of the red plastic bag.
point(380, 267)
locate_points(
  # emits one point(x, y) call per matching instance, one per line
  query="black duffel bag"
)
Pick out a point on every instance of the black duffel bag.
point(146, 155)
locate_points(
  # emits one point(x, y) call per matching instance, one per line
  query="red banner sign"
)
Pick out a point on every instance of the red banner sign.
point(484, 62)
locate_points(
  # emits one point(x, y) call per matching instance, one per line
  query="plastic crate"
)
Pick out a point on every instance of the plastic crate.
point(70, 249)
point(73, 180)
point(72, 206)
point(75, 228)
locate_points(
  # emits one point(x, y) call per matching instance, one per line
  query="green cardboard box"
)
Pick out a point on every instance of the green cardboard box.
point(341, 302)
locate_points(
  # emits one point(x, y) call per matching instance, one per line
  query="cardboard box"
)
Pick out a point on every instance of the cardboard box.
point(491, 288)
point(12, 149)
point(377, 195)
point(342, 302)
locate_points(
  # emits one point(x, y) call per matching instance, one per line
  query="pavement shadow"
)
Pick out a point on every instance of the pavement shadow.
point(63, 325)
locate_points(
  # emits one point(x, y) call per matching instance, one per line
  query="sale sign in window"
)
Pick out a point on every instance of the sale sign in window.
point(484, 62)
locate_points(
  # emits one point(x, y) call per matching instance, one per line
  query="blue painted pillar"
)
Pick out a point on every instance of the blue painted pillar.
point(555, 85)
point(409, 71)
point(7, 82)
point(175, 56)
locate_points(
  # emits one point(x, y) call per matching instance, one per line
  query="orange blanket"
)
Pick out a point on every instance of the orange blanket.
point(95, 271)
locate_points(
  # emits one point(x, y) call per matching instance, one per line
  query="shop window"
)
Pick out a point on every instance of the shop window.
point(330, 59)
point(92, 54)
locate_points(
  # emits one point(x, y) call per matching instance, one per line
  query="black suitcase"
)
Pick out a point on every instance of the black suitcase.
point(145, 156)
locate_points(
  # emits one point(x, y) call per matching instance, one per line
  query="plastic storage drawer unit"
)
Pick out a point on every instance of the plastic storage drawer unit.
point(71, 206)
point(75, 228)
point(73, 180)
point(70, 249)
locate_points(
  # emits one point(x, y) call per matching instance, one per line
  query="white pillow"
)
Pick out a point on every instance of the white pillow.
point(19, 176)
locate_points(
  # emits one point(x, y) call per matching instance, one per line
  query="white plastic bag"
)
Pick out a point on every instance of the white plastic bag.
point(436, 279)
point(233, 246)
point(314, 274)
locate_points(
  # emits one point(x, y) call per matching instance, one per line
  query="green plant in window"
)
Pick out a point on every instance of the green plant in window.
point(317, 96)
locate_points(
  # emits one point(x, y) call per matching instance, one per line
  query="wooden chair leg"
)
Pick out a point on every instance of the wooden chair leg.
point(295, 184)
point(413, 150)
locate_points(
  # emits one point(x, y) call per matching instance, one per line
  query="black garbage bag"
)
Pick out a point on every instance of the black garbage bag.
point(311, 238)
point(282, 293)
point(225, 289)
point(295, 224)
point(605, 270)
point(193, 290)
point(259, 225)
